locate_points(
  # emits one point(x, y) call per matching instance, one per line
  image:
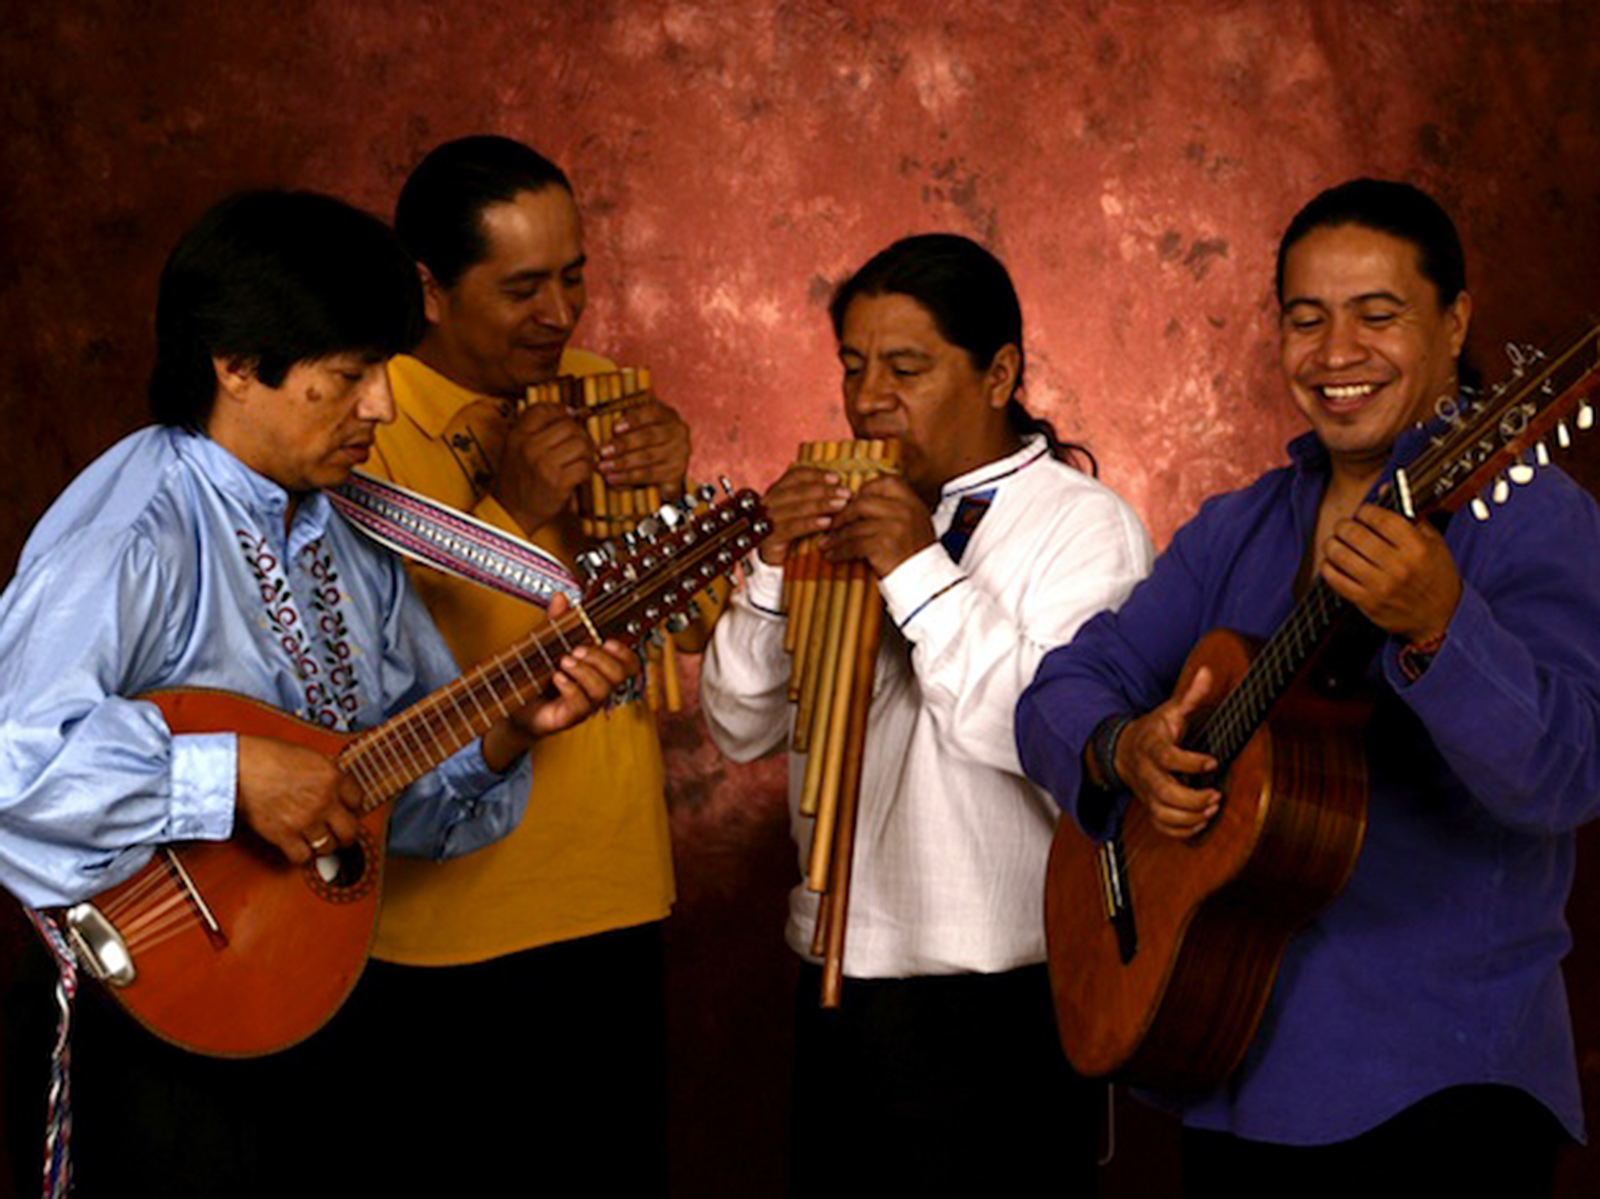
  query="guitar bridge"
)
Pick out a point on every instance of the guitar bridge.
point(1117, 896)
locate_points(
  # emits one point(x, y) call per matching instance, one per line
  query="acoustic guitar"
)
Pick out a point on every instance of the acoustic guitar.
point(1162, 951)
point(227, 949)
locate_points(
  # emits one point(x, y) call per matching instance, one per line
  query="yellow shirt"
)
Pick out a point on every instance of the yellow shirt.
point(593, 852)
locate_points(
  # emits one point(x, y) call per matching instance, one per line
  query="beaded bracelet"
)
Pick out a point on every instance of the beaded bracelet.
point(1103, 748)
point(1417, 656)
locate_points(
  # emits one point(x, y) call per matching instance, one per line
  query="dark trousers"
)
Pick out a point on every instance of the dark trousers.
point(150, 1119)
point(1472, 1140)
point(539, 1073)
point(951, 1085)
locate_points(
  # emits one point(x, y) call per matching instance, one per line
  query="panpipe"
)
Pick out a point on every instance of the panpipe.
point(599, 401)
point(835, 619)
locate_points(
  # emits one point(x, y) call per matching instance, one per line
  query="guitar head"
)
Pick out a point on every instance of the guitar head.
point(652, 575)
point(1503, 436)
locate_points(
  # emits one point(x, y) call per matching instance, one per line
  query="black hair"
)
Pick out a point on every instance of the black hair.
point(438, 215)
point(1398, 209)
point(1401, 211)
point(968, 293)
point(274, 278)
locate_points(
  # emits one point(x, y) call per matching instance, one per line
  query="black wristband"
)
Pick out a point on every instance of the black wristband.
point(1103, 747)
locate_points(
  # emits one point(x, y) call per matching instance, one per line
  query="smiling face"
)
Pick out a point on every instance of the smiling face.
point(504, 323)
point(903, 380)
point(312, 430)
point(1366, 346)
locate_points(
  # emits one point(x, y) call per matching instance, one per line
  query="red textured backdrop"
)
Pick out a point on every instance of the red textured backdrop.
point(1132, 162)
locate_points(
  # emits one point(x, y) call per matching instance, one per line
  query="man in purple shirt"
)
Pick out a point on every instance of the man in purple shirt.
point(1418, 1029)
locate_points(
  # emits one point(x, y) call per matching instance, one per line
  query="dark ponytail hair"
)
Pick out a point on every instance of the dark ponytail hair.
point(968, 293)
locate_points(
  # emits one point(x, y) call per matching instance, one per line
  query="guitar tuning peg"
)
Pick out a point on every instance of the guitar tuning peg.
point(1541, 453)
point(1563, 435)
point(1479, 508)
point(677, 622)
point(727, 486)
point(705, 493)
point(1502, 490)
point(1520, 473)
point(1585, 415)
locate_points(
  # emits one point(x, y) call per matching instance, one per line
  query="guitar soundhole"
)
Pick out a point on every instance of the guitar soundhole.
point(343, 876)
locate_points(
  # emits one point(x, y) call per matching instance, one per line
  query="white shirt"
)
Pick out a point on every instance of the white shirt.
point(948, 874)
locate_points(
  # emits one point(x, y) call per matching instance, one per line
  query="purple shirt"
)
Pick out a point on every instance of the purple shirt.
point(1439, 964)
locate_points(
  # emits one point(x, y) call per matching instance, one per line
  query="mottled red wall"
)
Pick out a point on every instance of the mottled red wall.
point(1132, 162)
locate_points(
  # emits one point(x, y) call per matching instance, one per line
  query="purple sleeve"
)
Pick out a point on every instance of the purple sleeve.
point(1512, 699)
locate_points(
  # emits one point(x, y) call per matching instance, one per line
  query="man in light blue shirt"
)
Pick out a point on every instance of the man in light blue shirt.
point(201, 553)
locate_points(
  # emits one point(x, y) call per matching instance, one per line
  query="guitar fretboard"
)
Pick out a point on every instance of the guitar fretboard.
point(390, 757)
point(1229, 728)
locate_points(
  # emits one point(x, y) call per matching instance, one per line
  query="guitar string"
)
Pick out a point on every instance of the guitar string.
point(136, 888)
point(166, 895)
point(155, 908)
point(161, 924)
point(172, 912)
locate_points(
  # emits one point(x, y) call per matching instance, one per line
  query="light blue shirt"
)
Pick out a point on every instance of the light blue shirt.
point(138, 578)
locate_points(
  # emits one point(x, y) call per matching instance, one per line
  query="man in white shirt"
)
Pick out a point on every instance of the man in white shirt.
point(988, 549)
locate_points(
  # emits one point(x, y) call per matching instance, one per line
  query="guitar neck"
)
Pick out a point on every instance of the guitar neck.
point(388, 759)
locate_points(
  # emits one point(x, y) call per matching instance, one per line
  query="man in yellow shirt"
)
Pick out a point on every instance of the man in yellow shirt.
point(524, 982)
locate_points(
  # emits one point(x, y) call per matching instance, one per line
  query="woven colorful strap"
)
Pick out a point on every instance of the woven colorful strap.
point(461, 545)
point(58, 1108)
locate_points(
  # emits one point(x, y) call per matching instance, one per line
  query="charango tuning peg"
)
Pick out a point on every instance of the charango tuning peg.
point(1563, 435)
point(1585, 415)
point(1502, 490)
point(1520, 473)
point(1479, 508)
point(1541, 453)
